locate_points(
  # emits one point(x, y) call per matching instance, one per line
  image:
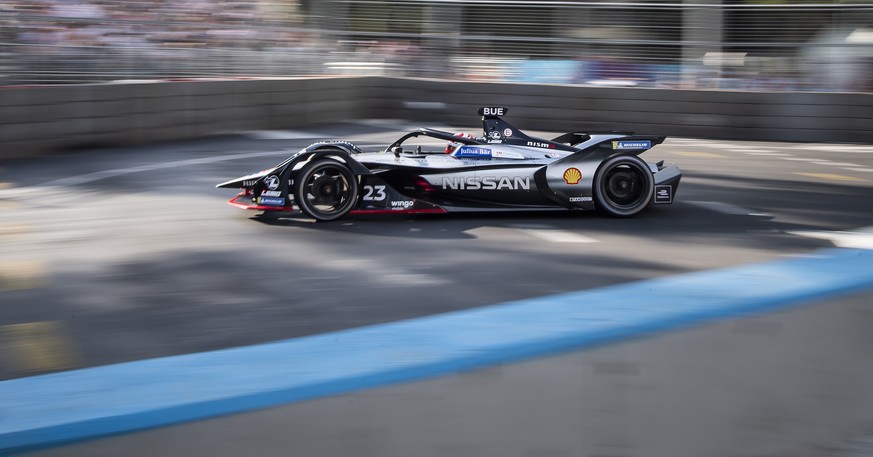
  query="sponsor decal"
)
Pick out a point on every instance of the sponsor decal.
point(572, 176)
point(580, 199)
point(487, 183)
point(663, 194)
point(507, 154)
point(272, 182)
point(249, 182)
point(639, 144)
point(507, 132)
point(271, 193)
point(537, 144)
point(494, 135)
point(474, 152)
point(492, 111)
point(272, 201)
point(403, 204)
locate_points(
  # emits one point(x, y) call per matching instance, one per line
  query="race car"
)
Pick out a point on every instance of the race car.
point(502, 170)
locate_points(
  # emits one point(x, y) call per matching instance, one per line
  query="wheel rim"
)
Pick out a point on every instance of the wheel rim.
point(325, 190)
point(625, 186)
point(328, 191)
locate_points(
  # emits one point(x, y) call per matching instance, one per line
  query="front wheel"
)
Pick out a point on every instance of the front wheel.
point(623, 186)
point(325, 189)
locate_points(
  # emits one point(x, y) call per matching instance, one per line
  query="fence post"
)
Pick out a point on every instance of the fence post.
point(702, 32)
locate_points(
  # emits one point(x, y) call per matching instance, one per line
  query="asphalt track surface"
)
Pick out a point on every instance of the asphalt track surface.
point(118, 255)
point(125, 254)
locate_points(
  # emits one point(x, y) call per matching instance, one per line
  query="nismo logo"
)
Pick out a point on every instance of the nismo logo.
point(486, 183)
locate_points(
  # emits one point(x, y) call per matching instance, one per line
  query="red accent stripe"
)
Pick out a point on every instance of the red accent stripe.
point(233, 202)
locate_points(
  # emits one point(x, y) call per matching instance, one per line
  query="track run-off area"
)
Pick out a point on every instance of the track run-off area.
point(123, 255)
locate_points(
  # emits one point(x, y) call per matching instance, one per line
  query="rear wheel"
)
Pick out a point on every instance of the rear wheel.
point(325, 189)
point(623, 186)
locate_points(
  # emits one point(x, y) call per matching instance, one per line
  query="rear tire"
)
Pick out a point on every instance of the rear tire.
point(623, 186)
point(325, 189)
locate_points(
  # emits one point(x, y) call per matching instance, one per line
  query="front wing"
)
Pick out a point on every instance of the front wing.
point(376, 197)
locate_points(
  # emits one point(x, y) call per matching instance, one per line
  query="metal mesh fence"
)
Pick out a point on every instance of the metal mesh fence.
point(709, 45)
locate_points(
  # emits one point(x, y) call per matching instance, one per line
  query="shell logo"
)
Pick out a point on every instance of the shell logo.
point(572, 176)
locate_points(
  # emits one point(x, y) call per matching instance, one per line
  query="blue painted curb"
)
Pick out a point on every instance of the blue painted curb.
point(75, 405)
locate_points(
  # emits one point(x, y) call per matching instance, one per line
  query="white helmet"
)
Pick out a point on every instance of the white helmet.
point(453, 146)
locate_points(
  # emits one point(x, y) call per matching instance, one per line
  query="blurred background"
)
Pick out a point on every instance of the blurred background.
point(771, 45)
point(118, 117)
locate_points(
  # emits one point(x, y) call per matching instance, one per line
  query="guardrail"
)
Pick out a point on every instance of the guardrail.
point(36, 120)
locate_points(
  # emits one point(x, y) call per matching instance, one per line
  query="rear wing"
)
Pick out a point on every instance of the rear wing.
point(498, 130)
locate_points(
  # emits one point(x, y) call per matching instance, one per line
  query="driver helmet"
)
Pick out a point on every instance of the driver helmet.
point(453, 146)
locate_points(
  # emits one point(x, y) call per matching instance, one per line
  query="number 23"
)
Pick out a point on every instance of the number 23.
point(379, 192)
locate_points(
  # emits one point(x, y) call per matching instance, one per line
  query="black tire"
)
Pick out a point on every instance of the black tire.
point(325, 189)
point(623, 186)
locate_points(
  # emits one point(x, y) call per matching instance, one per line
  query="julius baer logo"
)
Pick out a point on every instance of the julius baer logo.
point(486, 183)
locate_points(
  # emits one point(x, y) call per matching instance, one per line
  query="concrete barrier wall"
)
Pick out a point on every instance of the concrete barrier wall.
point(703, 114)
point(37, 120)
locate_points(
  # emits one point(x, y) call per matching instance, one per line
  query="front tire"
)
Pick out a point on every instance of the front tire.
point(325, 189)
point(623, 186)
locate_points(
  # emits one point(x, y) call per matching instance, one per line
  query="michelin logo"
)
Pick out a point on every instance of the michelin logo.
point(644, 144)
point(272, 201)
point(580, 199)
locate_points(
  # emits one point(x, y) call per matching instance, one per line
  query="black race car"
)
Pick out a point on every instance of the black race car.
point(503, 170)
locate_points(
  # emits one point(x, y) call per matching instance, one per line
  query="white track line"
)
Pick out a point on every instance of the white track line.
point(852, 148)
point(558, 236)
point(857, 239)
point(549, 233)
